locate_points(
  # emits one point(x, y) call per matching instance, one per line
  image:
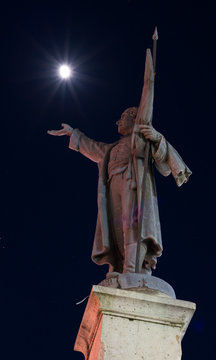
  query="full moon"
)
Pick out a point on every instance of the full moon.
point(65, 71)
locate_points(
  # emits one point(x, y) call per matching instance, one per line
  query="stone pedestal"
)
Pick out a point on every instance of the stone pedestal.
point(132, 325)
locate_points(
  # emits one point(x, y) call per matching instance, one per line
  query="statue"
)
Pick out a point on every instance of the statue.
point(128, 234)
point(116, 233)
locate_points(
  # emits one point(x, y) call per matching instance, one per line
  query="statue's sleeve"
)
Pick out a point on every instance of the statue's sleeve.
point(167, 160)
point(92, 149)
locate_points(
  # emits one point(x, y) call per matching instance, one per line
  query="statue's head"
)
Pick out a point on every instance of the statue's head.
point(126, 122)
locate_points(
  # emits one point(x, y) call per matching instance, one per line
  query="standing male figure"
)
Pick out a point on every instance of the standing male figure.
point(116, 233)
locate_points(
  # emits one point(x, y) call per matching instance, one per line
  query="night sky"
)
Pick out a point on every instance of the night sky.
point(48, 192)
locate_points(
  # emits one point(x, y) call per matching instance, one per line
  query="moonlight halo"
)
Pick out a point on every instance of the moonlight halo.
point(65, 71)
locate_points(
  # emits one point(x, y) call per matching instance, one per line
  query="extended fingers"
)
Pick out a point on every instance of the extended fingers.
point(59, 132)
point(51, 132)
point(56, 132)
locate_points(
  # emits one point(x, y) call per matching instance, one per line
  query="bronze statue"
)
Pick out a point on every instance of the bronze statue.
point(116, 235)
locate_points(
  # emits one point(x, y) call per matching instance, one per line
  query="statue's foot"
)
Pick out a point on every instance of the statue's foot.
point(112, 274)
point(147, 271)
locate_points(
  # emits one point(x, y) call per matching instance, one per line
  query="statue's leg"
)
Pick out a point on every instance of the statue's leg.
point(115, 217)
point(130, 228)
point(130, 257)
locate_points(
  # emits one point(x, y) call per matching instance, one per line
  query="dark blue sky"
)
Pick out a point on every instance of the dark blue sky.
point(48, 192)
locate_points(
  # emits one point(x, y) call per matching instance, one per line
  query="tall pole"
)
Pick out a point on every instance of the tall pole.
point(145, 169)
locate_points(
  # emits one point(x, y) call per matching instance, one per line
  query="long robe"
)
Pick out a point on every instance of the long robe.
point(166, 159)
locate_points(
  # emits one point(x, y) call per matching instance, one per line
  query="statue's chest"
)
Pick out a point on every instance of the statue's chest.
point(121, 151)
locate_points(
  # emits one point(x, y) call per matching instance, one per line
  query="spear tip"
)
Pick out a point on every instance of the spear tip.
point(155, 35)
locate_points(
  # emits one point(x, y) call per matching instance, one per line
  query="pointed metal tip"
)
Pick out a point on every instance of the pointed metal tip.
point(155, 35)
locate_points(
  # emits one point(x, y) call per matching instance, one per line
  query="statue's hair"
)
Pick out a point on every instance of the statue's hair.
point(133, 111)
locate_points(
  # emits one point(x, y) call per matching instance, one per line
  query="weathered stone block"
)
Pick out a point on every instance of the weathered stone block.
point(132, 325)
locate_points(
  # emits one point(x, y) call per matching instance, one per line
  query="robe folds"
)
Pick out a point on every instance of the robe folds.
point(166, 159)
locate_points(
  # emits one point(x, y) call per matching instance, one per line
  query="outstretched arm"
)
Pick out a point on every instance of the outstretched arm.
point(92, 149)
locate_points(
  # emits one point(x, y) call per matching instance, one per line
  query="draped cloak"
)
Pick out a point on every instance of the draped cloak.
point(166, 159)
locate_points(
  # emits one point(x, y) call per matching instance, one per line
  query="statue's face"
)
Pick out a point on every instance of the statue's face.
point(126, 122)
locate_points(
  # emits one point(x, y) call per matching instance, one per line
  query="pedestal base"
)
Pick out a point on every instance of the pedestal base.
point(121, 324)
point(136, 281)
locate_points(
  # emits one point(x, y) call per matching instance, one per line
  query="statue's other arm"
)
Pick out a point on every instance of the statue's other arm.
point(167, 159)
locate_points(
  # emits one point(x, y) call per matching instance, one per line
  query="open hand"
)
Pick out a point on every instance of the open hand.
point(66, 130)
